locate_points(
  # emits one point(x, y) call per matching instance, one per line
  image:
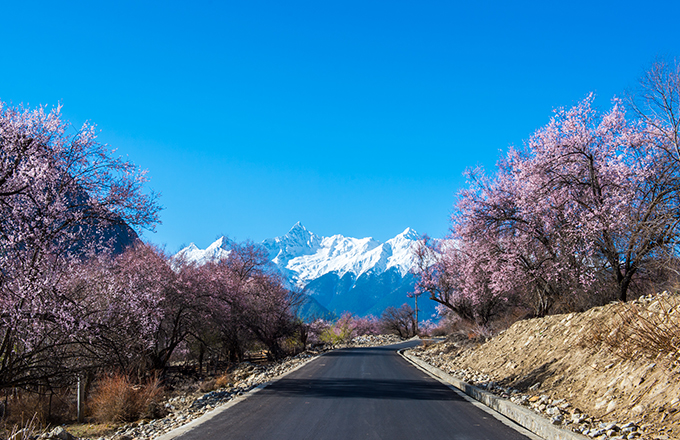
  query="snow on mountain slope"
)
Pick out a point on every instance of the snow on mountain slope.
point(304, 256)
point(216, 251)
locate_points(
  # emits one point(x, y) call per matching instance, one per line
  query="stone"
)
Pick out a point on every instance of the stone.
point(611, 406)
point(552, 411)
point(578, 418)
point(611, 427)
point(60, 433)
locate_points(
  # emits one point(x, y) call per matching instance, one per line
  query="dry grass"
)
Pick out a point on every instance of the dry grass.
point(117, 399)
point(215, 383)
point(223, 381)
point(639, 329)
point(92, 430)
point(426, 343)
point(26, 431)
point(24, 407)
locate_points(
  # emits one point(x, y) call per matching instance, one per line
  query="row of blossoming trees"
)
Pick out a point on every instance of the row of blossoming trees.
point(72, 304)
point(586, 212)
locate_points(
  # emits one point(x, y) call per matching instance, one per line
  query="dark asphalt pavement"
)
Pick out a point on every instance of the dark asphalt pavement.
point(359, 393)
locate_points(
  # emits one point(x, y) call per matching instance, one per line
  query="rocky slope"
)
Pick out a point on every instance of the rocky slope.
point(589, 372)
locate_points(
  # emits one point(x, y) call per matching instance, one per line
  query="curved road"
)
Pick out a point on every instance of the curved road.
point(359, 393)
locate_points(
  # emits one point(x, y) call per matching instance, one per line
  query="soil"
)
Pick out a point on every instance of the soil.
point(588, 359)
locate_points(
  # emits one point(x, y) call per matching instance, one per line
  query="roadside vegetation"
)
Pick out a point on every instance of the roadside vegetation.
point(609, 372)
point(584, 213)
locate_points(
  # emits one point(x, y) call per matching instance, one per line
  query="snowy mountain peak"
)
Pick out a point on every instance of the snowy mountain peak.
point(303, 256)
point(297, 227)
point(218, 250)
point(360, 275)
point(409, 234)
point(300, 236)
point(221, 243)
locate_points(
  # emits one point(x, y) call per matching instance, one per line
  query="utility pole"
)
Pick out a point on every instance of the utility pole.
point(416, 295)
point(80, 401)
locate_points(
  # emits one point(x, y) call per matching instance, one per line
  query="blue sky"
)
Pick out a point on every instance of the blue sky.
point(353, 117)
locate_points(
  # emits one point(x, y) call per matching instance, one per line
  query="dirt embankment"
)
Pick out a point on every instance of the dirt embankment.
point(614, 364)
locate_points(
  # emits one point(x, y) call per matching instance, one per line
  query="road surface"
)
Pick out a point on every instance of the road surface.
point(358, 393)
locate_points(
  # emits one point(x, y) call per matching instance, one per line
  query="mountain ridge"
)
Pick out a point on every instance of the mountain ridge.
point(341, 273)
point(305, 256)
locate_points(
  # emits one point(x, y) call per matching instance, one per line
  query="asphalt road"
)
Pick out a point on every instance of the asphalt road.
point(359, 393)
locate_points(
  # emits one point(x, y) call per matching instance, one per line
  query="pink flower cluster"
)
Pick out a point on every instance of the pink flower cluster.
point(566, 222)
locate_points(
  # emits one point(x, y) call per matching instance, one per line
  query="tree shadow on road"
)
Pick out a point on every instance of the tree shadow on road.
point(363, 389)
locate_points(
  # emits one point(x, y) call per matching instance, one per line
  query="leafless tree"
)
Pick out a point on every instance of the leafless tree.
point(399, 321)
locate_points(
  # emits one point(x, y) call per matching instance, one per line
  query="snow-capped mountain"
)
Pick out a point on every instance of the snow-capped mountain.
point(360, 275)
point(304, 256)
point(216, 251)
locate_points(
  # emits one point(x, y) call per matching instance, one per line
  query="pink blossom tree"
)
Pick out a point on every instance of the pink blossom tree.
point(656, 103)
point(121, 306)
point(250, 300)
point(59, 192)
point(584, 208)
point(608, 177)
point(457, 275)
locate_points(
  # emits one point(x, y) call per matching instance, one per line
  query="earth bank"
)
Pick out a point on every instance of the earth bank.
point(592, 372)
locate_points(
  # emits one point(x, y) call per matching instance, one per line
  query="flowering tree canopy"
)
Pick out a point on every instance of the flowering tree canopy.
point(59, 192)
point(589, 203)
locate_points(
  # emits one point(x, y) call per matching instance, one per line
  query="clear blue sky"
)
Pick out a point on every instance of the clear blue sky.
point(353, 117)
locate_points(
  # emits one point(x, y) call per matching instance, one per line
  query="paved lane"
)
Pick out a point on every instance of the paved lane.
point(360, 393)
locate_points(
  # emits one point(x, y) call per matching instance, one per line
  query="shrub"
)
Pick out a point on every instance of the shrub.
point(29, 431)
point(208, 385)
point(42, 409)
point(223, 380)
point(117, 399)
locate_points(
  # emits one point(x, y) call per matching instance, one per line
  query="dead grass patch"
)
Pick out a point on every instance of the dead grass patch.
point(117, 399)
point(638, 329)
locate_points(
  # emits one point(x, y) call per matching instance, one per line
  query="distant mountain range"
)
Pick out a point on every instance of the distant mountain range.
point(362, 276)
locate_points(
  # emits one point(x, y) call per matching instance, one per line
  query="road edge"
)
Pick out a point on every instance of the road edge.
point(525, 418)
point(170, 435)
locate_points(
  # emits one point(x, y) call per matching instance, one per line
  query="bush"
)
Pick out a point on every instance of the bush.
point(118, 400)
point(215, 383)
point(223, 380)
point(28, 431)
